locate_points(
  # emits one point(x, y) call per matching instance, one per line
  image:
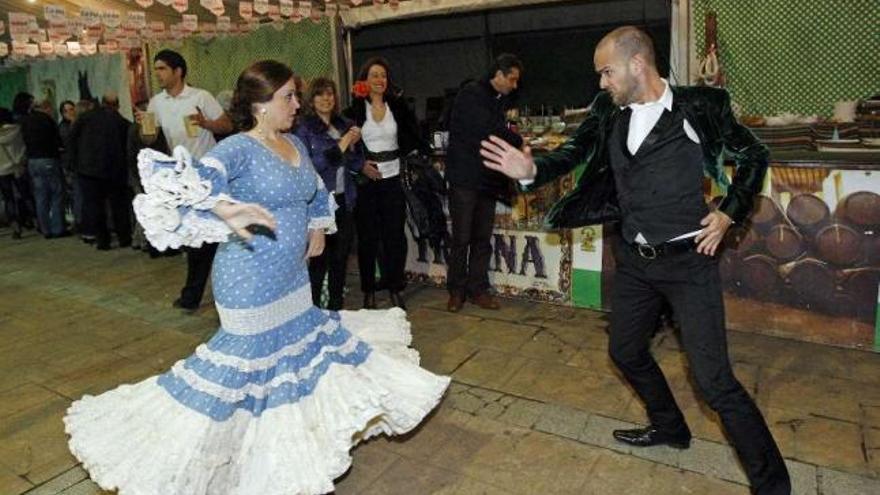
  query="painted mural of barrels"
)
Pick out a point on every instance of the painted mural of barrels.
point(784, 243)
point(808, 213)
point(761, 278)
point(766, 214)
point(741, 239)
point(730, 267)
point(860, 285)
point(860, 210)
point(840, 245)
point(813, 281)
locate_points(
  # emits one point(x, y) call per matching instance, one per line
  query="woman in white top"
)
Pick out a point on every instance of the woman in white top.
point(389, 132)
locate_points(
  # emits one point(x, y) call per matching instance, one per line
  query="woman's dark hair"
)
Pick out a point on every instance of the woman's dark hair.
point(172, 59)
point(256, 84)
point(318, 86)
point(391, 89)
point(22, 103)
point(62, 105)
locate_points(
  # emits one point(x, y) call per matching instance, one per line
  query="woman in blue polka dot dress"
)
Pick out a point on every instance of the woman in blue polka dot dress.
point(275, 400)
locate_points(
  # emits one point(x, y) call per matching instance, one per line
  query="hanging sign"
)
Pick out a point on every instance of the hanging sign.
point(286, 7)
point(330, 8)
point(177, 32)
point(223, 24)
point(4, 49)
point(89, 49)
point(111, 18)
point(145, 4)
point(61, 49)
point(58, 31)
point(356, 2)
point(214, 6)
point(165, 2)
point(19, 26)
point(274, 13)
point(305, 10)
point(157, 28)
point(245, 10)
point(208, 30)
point(261, 6)
point(76, 27)
point(111, 47)
point(38, 35)
point(91, 17)
point(137, 19)
point(54, 13)
point(180, 5)
point(316, 14)
point(93, 34)
point(190, 22)
point(394, 4)
point(47, 48)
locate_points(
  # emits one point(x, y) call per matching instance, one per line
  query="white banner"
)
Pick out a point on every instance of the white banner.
point(190, 22)
point(90, 17)
point(286, 7)
point(214, 6)
point(261, 6)
point(111, 18)
point(144, 3)
point(180, 5)
point(245, 10)
point(54, 13)
point(137, 18)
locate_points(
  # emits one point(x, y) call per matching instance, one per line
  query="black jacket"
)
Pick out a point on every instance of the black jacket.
point(97, 145)
point(477, 113)
point(409, 137)
point(594, 199)
point(41, 137)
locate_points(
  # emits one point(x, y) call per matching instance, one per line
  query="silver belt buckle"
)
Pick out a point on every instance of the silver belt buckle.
point(647, 251)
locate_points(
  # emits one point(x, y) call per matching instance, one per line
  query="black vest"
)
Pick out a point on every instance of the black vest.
point(660, 188)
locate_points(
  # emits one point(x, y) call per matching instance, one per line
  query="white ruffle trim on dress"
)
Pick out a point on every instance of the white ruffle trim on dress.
point(327, 223)
point(174, 209)
point(138, 439)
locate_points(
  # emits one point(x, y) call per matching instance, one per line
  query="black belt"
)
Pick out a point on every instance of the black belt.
point(670, 248)
point(383, 156)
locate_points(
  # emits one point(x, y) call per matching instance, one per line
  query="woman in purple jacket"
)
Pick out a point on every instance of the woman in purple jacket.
point(337, 154)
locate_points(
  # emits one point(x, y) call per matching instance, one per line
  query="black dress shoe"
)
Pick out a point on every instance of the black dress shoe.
point(647, 437)
point(369, 300)
point(188, 307)
point(397, 300)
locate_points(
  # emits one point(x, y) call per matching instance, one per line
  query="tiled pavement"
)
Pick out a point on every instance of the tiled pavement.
point(530, 411)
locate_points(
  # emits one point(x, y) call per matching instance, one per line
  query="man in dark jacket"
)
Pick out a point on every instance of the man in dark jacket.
point(97, 148)
point(43, 147)
point(647, 146)
point(478, 112)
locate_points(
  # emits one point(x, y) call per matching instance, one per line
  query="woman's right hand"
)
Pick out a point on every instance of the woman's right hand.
point(371, 170)
point(239, 216)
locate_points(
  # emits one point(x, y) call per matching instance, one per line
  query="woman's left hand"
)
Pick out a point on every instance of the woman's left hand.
point(316, 243)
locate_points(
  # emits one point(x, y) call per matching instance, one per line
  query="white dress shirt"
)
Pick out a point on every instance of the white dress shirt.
point(170, 112)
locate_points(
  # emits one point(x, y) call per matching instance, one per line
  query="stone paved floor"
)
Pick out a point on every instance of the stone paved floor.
point(530, 411)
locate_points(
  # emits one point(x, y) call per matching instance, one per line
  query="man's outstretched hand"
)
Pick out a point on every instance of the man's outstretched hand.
point(500, 156)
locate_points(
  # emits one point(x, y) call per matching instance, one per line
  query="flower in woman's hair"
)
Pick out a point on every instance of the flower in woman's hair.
point(360, 89)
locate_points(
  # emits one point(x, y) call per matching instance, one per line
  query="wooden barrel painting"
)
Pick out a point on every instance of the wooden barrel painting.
point(730, 267)
point(741, 239)
point(813, 281)
point(766, 213)
point(761, 278)
point(808, 213)
point(860, 285)
point(860, 210)
point(784, 243)
point(839, 244)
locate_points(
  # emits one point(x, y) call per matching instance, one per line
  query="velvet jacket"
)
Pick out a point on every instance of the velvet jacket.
point(594, 198)
point(326, 155)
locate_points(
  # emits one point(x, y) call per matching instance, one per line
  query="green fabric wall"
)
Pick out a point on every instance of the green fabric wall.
point(215, 64)
point(11, 82)
point(795, 56)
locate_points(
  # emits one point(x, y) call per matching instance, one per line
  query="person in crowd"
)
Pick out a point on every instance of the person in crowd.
point(12, 164)
point(72, 199)
point(647, 146)
point(189, 117)
point(389, 131)
point(43, 147)
point(97, 144)
point(478, 112)
point(336, 152)
point(276, 399)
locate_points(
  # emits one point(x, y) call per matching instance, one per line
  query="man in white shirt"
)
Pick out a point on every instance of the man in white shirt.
point(647, 146)
point(189, 117)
